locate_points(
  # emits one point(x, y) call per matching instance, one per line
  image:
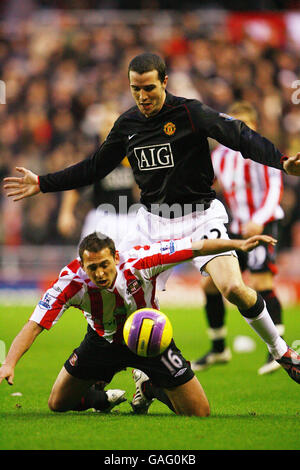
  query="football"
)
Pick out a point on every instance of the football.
point(147, 332)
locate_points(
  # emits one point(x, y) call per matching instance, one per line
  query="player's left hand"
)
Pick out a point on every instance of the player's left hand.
point(253, 242)
point(24, 186)
point(292, 165)
point(251, 228)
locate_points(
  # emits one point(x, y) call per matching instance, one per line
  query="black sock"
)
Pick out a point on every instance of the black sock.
point(93, 399)
point(215, 313)
point(256, 309)
point(215, 310)
point(152, 391)
point(273, 305)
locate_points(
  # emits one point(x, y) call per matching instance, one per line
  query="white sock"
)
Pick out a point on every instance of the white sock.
point(265, 328)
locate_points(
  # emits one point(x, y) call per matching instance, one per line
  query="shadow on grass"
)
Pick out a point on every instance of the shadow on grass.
point(73, 414)
point(118, 414)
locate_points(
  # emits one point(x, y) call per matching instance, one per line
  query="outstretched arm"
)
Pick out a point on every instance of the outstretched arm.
point(209, 247)
point(19, 346)
point(291, 165)
point(101, 163)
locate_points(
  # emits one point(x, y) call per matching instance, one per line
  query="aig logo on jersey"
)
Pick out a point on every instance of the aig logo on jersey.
point(154, 157)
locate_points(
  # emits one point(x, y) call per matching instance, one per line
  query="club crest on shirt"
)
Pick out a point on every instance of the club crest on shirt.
point(169, 128)
point(45, 303)
point(133, 286)
point(73, 360)
point(167, 247)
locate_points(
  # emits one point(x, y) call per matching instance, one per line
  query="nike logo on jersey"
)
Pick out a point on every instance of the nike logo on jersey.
point(130, 136)
point(154, 157)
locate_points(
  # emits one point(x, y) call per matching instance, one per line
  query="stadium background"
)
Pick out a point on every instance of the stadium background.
point(64, 68)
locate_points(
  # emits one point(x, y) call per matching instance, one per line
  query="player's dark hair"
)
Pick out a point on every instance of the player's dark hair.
point(146, 62)
point(96, 242)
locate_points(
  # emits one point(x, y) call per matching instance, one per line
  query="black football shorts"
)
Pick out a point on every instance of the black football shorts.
point(97, 359)
point(263, 258)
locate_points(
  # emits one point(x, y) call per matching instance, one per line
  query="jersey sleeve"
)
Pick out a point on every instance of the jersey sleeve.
point(272, 197)
point(107, 157)
point(234, 134)
point(57, 299)
point(158, 257)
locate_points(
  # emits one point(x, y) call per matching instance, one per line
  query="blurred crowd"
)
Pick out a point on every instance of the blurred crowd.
point(62, 78)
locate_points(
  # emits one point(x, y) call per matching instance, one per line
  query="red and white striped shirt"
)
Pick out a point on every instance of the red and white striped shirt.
point(106, 310)
point(252, 191)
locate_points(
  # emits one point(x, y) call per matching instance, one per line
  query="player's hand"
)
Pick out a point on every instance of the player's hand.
point(253, 242)
point(21, 187)
point(292, 165)
point(7, 372)
point(251, 228)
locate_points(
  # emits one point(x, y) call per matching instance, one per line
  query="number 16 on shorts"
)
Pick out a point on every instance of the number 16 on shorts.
point(173, 362)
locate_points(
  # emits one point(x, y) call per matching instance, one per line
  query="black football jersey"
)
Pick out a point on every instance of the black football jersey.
point(108, 190)
point(168, 152)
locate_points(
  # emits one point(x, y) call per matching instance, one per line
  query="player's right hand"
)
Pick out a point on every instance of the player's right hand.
point(252, 242)
point(7, 372)
point(23, 186)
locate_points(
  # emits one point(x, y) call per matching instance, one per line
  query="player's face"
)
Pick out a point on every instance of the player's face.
point(148, 91)
point(101, 267)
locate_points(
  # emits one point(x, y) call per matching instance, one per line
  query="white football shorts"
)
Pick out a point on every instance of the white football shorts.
point(115, 226)
point(150, 228)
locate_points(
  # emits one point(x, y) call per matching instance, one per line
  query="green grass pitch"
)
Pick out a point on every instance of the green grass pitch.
point(247, 411)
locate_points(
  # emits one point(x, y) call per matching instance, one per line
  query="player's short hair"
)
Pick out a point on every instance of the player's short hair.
point(96, 242)
point(146, 62)
point(243, 107)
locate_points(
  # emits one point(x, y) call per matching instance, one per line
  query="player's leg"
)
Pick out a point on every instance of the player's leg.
point(262, 267)
point(71, 393)
point(263, 283)
point(80, 383)
point(227, 277)
point(189, 399)
point(68, 391)
point(169, 379)
point(217, 331)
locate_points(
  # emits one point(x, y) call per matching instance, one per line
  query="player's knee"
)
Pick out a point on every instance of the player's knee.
point(55, 404)
point(199, 407)
point(204, 411)
point(233, 290)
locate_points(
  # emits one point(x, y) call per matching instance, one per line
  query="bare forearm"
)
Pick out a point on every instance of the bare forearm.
point(209, 247)
point(22, 342)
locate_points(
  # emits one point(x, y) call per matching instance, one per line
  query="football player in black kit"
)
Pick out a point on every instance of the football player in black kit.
point(165, 140)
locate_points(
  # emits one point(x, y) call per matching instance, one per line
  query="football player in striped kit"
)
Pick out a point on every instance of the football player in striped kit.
point(252, 193)
point(107, 286)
